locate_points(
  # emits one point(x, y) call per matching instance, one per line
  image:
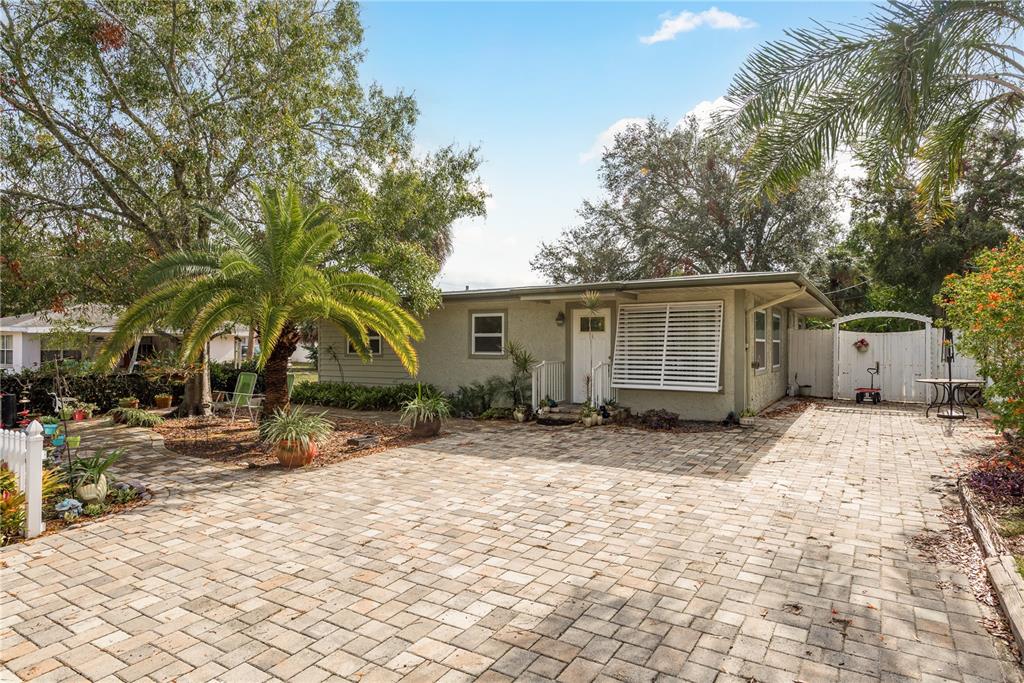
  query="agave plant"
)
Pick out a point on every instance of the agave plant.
point(296, 427)
point(425, 407)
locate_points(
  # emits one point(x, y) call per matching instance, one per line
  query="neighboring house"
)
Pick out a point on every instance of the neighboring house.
point(28, 340)
point(701, 346)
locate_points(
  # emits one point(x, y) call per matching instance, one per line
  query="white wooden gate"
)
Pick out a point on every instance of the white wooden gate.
point(829, 362)
point(901, 358)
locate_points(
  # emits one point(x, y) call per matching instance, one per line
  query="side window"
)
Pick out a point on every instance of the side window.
point(374, 345)
point(592, 323)
point(488, 334)
point(776, 340)
point(6, 349)
point(760, 340)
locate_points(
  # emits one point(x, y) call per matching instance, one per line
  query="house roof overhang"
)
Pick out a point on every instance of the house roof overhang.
point(799, 293)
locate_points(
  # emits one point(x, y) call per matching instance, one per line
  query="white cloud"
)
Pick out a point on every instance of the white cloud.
point(705, 110)
point(607, 137)
point(686, 21)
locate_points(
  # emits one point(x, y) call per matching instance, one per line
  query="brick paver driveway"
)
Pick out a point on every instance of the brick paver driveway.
point(779, 553)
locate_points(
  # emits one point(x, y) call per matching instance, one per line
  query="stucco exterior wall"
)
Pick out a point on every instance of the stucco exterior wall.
point(446, 362)
point(769, 385)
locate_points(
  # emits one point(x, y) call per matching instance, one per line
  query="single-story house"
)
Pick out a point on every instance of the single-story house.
point(701, 346)
point(26, 341)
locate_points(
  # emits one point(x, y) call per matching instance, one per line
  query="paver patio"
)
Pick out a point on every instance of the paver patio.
point(779, 553)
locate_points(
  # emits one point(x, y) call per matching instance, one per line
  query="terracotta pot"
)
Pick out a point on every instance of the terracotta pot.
point(92, 493)
point(129, 404)
point(295, 455)
point(427, 428)
point(162, 402)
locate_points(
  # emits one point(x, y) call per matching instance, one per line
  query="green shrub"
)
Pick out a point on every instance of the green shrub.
point(135, 417)
point(477, 398)
point(94, 509)
point(496, 414)
point(357, 397)
point(101, 389)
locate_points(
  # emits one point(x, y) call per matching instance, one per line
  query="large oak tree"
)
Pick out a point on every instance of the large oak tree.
point(128, 119)
point(673, 206)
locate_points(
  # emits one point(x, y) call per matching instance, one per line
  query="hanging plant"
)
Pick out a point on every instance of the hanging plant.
point(861, 344)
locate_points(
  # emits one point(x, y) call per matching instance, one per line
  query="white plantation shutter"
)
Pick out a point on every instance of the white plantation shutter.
point(668, 346)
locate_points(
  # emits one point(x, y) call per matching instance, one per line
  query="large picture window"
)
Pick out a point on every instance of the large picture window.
point(760, 340)
point(776, 340)
point(674, 346)
point(488, 334)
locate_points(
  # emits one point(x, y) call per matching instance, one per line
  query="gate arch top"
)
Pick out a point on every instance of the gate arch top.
point(882, 314)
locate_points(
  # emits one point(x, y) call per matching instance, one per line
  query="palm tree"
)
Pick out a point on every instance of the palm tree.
point(907, 92)
point(277, 277)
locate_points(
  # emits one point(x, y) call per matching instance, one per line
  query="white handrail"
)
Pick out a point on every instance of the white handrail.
point(601, 383)
point(547, 381)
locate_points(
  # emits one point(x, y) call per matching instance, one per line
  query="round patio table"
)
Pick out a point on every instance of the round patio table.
point(950, 388)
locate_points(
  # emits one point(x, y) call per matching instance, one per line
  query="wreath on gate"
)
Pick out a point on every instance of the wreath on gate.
point(861, 344)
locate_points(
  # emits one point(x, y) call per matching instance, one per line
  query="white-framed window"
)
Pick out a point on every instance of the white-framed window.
point(487, 334)
point(760, 340)
point(6, 349)
point(776, 340)
point(372, 343)
point(674, 346)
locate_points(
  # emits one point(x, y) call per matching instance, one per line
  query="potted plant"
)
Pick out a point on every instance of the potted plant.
point(163, 401)
point(89, 475)
point(66, 413)
point(520, 413)
point(296, 435)
point(128, 402)
point(747, 417)
point(50, 424)
point(425, 414)
point(83, 411)
point(861, 344)
point(588, 416)
point(74, 441)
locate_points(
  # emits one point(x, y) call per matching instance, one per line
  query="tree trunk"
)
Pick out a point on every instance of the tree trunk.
point(275, 373)
point(198, 398)
point(252, 342)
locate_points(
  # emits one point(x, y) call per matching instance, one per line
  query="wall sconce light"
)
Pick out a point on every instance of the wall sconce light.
point(560, 318)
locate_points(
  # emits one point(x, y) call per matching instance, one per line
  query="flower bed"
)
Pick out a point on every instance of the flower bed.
point(221, 440)
point(60, 508)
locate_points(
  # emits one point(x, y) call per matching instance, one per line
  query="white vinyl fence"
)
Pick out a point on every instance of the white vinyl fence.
point(902, 358)
point(22, 453)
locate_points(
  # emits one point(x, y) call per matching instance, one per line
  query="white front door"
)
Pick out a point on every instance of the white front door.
point(591, 344)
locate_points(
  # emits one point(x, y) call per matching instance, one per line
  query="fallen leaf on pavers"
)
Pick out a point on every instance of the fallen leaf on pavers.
point(793, 608)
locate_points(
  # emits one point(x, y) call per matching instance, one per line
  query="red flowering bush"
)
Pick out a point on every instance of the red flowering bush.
point(987, 306)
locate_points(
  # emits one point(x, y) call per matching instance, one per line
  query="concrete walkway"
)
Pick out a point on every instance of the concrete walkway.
point(779, 553)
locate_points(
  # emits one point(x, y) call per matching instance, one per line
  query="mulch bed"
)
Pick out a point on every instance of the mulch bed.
point(221, 440)
point(996, 478)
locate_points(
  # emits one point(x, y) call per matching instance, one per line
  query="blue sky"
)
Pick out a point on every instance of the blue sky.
point(535, 85)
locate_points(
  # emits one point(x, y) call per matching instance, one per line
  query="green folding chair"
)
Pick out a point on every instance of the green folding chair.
point(241, 398)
